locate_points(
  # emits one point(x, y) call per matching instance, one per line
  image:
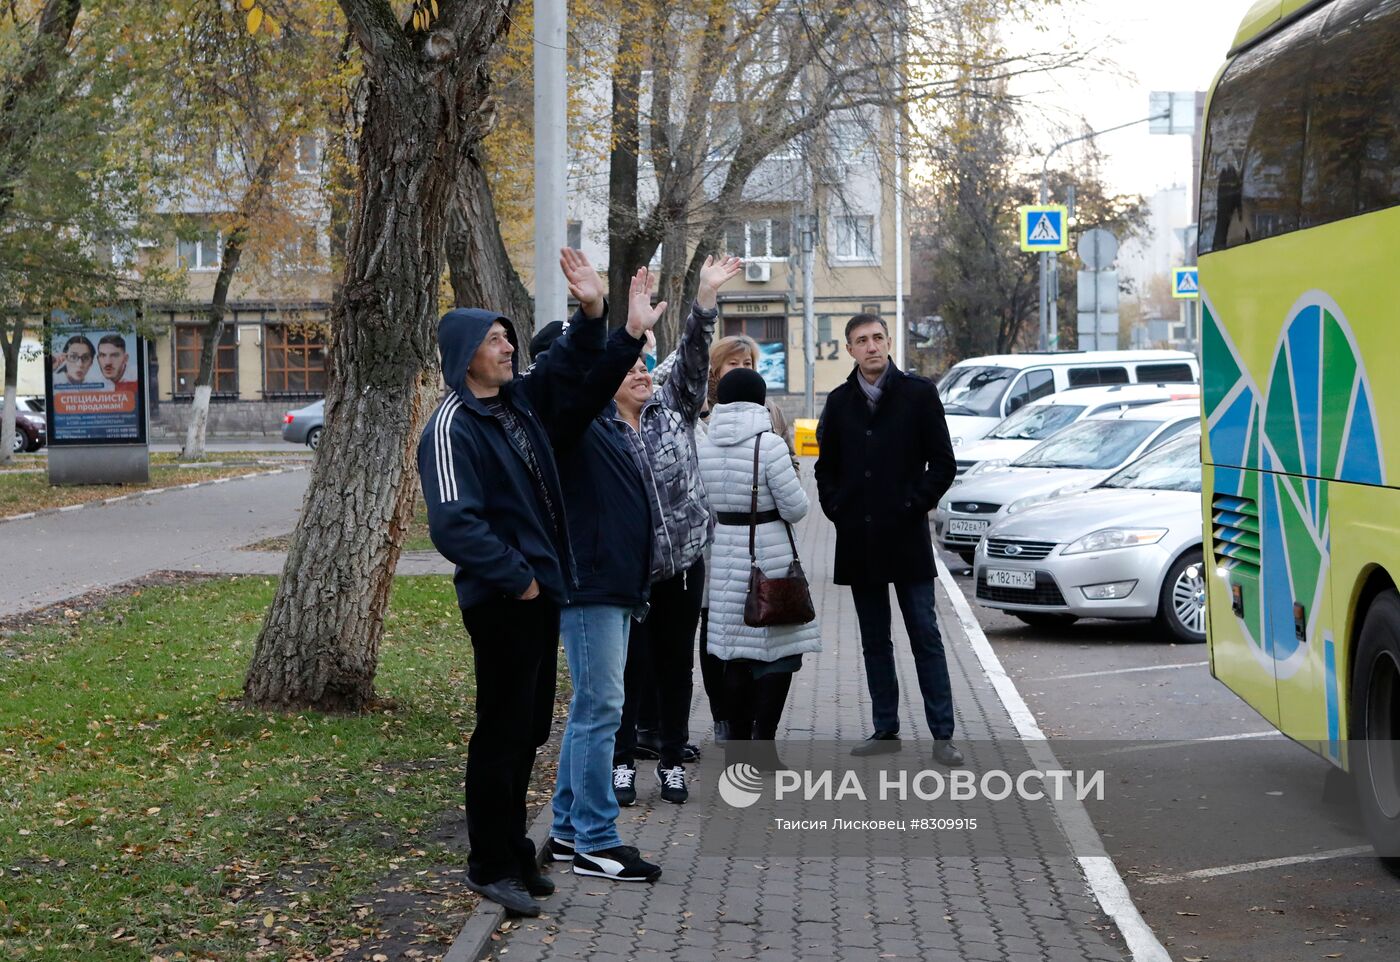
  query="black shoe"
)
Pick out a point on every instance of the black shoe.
point(509, 893)
point(647, 745)
point(625, 784)
point(622, 863)
point(672, 782)
point(721, 732)
point(690, 753)
point(880, 743)
point(539, 885)
point(559, 850)
point(946, 753)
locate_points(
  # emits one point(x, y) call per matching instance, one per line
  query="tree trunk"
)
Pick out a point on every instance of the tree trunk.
point(481, 270)
point(319, 646)
point(672, 287)
point(624, 229)
point(10, 338)
point(212, 332)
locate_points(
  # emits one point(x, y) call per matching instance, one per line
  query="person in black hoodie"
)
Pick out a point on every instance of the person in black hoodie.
point(604, 474)
point(496, 510)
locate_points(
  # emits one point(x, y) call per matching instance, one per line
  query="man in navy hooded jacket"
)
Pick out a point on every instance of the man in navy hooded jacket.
point(496, 510)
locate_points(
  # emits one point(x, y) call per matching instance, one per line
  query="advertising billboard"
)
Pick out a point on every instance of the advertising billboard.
point(96, 383)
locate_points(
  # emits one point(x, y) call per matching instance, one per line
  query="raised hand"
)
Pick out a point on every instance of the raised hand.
point(717, 272)
point(584, 283)
point(641, 316)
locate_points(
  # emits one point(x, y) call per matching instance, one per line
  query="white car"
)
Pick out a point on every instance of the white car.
point(1130, 547)
point(1035, 422)
point(980, 391)
point(1072, 459)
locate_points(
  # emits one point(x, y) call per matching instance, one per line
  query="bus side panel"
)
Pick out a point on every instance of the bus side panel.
point(1237, 632)
point(1298, 332)
point(1370, 518)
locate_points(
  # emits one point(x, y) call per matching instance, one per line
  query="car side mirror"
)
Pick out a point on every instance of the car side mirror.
point(1015, 404)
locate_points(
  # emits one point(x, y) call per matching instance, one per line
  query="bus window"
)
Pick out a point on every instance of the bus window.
point(1251, 180)
point(1089, 376)
point(1352, 162)
point(1165, 374)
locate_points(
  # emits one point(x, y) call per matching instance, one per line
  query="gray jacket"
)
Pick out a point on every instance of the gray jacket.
point(682, 522)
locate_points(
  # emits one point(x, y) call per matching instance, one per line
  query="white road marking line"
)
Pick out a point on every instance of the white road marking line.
point(1102, 875)
point(1122, 671)
point(1188, 742)
point(1256, 866)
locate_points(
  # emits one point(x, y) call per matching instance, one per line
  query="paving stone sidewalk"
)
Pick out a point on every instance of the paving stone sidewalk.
point(948, 909)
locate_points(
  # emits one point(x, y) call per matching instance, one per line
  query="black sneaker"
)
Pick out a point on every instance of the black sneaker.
point(510, 893)
point(538, 884)
point(623, 863)
point(559, 850)
point(625, 784)
point(672, 782)
point(690, 753)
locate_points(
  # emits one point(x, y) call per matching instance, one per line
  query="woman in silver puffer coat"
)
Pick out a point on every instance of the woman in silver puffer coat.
point(759, 662)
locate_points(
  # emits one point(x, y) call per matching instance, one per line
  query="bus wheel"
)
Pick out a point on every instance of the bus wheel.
point(1375, 727)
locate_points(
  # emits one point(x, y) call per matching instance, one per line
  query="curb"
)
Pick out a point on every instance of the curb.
point(472, 942)
point(146, 493)
point(1100, 874)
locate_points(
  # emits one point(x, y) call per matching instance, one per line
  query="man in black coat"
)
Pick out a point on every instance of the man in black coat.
point(885, 460)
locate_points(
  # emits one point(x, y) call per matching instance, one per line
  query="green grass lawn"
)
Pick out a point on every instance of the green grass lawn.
point(145, 812)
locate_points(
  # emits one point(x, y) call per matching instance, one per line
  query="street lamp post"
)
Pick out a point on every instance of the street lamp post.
point(808, 241)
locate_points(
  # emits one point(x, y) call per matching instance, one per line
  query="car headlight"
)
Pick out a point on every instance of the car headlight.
point(944, 502)
point(1106, 539)
point(1032, 501)
point(982, 467)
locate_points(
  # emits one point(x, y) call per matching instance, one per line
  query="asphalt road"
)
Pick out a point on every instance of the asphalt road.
point(1186, 805)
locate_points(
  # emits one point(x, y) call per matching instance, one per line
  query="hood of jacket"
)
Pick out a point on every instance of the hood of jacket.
point(460, 333)
point(737, 422)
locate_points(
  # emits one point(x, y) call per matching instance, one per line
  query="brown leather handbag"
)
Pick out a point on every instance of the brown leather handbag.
point(774, 601)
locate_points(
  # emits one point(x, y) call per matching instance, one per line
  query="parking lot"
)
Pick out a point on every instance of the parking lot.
point(1325, 897)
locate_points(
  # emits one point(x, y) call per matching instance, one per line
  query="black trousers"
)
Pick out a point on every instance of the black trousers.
point(755, 705)
point(515, 648)
point(711, 673)
point(659, 663)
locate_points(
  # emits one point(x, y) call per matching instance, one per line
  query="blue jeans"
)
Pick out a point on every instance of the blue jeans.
point(916, 605)
point(585, 808)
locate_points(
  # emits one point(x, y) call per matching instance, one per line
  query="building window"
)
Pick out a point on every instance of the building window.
point(294, 359)
point(851, 136)
point(200, 253)
point(299, 252)
point(764, 330)
point(575, 239)
point(308, 154)
point(763, 239)
point(855, 238)
point(189, 343)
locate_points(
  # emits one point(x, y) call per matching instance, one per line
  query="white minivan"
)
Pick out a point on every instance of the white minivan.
point(979, 392)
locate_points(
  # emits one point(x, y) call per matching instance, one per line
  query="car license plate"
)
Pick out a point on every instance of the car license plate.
point(1001, 578)
point(959, 526)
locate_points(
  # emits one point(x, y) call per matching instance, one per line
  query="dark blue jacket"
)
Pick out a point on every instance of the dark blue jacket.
point(483, 515)
point(604, 478)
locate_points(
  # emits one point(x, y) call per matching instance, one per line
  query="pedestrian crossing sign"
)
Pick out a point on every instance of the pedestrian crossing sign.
point(1043, 228)
point(1186, 283)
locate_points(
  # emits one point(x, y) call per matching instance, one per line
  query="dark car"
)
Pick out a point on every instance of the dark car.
point(31, 433)
point(304, 425)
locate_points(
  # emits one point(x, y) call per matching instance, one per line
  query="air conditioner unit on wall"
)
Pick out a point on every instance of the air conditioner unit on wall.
point(758, 273)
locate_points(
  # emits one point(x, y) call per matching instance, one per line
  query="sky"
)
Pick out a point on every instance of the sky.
point(1139, 46)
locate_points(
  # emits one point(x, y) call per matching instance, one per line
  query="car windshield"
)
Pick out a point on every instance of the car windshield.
point(975, 391)
point(1093, 444)
point(1175, 466)
point(1036, 422)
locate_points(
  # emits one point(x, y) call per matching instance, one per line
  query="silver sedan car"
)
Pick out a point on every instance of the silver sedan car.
point(1129, 547)
point(1074, 458)
point(305, 425)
